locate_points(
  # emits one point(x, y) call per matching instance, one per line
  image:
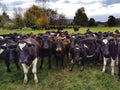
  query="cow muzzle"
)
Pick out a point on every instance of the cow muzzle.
point(58, 49)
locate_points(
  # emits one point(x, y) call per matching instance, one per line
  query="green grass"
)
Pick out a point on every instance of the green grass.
point(81, 30)
point(60, 79)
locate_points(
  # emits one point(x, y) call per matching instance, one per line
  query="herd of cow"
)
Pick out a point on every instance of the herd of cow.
point(25, 49)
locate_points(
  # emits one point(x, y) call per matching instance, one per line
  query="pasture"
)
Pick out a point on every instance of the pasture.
point(57, 78)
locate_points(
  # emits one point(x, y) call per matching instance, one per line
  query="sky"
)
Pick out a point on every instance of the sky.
point(97, 9)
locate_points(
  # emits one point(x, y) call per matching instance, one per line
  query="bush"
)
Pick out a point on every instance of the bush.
point(10, 26)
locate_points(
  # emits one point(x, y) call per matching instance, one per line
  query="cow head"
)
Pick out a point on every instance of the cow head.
point(79, 52)
point(105, 47)
point(58, 45)
point(25, 52)
point(45, 42)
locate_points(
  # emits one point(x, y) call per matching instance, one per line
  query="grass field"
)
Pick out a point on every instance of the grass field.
point(60, 79)
point(81, 30)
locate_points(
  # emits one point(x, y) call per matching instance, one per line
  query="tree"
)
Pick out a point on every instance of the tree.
point(118, 21)
point(80, 17)
point(91, 22)
point(61, 19)
point(18, 20)
point(4, 18)
point(111, 21)
point(52, 16)
point(43, 20)
point(31, 15)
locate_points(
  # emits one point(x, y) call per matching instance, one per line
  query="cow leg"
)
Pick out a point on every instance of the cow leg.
point(117, 61)
point(7, 62)
point(34, 70)
point(62, 62)
point(81, 65)
point(49, 62)
point(72, 65)
point(112, 66)
point(104, 66)
point(16, 62)
point(119, 68)
point(41, 62)
point(56, 61)
point(25, 69)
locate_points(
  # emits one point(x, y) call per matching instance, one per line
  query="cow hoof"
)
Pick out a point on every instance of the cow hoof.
point(8, 70)
point(25, 81)
point(49, 67)
point(36, 81)
point(41, 68)
point(112, 74)
point(103, 71)
point(82, 68)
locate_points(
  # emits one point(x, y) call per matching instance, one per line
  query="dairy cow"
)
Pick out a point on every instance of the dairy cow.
point(28, 52)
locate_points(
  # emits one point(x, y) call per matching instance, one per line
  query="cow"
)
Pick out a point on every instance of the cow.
point(109, 50)
point(28, 53)
point(45, 49)
point(8, 52)
point(76, 28)
point(78, 55)
point(59, 51)
point(92, 49)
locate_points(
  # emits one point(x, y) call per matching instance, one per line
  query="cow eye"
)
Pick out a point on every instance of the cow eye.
point(31, 45)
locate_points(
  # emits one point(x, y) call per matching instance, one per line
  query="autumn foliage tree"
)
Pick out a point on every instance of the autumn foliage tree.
point(42, 20)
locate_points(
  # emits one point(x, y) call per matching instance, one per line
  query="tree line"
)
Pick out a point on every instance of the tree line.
point(40, 17)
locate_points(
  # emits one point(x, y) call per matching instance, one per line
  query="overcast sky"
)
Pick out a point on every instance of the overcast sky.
point(98, 9)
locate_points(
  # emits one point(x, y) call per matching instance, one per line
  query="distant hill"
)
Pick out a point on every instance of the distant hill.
point(69, 20)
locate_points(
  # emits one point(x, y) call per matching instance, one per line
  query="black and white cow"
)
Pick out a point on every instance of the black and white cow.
point(8, 52)
point(28, 52)
point(109, 51)
point(78, 55)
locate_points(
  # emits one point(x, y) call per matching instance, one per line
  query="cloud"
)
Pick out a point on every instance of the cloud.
point(17, 3)
point(110, 2)
point(53, 0)
point(93, 8)
point(66, 1)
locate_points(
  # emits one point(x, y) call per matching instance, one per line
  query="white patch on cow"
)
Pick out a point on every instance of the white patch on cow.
point(25, 69)
point(22, 45)
point(4, 44)
point(85, 46)
point(90, 56)
point(117, 61)
point(104, 64)
point(94, 35)
point(52, 33)
point(77, 48)
point(34, 70)
point(105, 41)
point(1, 37)
point(18, 36)
point(72, 61)
point(112, 66)
point(1, 50)
point(79, 62)
point(73, 36)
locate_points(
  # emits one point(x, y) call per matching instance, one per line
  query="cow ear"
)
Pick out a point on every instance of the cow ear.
point(31, 45)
